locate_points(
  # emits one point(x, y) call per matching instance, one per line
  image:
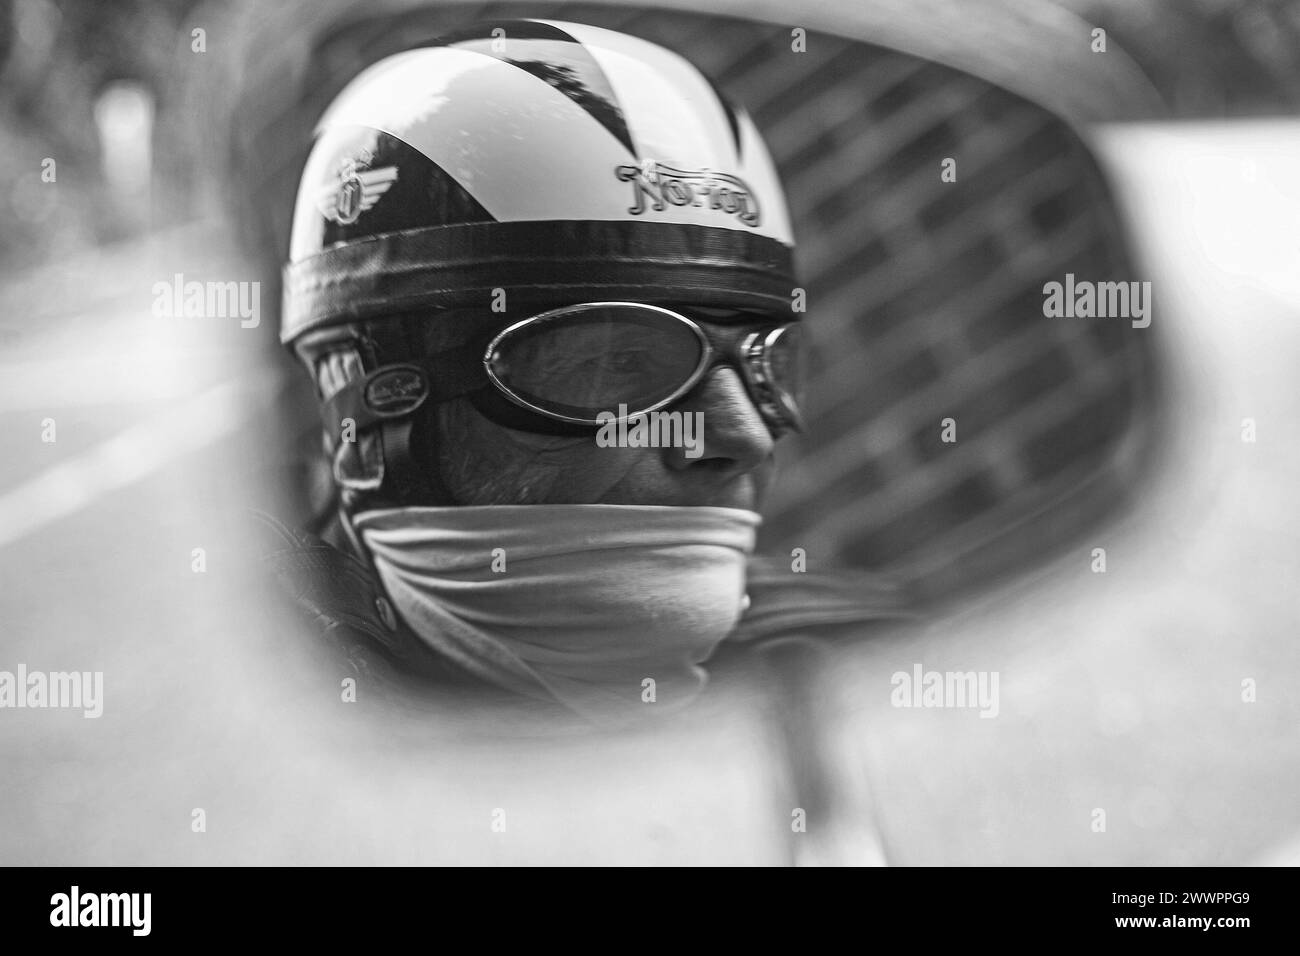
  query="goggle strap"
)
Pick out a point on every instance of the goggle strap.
point(455, 372)
point(446, 375)
point(400, 475)
point(495, 407)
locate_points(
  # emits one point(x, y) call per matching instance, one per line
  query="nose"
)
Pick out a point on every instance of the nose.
point(734, 438)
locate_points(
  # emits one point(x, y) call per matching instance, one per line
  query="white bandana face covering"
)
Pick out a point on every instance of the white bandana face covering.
point(581, 603)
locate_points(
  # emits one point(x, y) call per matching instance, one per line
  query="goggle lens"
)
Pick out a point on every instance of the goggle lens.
point(578, 362)
point(591, 361)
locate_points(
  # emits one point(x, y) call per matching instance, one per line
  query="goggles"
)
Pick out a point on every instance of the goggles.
point(581, 364)
point(573, 369)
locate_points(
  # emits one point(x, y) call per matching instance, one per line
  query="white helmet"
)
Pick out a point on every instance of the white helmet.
point(543, 162)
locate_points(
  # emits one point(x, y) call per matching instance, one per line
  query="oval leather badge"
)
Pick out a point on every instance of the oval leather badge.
point(396, 391)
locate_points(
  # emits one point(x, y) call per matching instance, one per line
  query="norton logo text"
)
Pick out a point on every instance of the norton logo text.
point(663, 186)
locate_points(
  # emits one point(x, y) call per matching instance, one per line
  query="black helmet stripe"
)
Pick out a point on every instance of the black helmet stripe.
point(459, 267)
point(553, 56)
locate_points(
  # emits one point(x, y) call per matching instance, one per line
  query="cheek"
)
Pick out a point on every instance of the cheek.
point(482, 463)
point(475, 467)
point(589, 474)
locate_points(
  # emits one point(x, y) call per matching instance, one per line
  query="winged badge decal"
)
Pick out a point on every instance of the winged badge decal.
point(356, 191)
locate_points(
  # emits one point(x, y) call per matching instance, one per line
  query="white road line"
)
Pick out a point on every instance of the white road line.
point(126, 458)
point(95, 381)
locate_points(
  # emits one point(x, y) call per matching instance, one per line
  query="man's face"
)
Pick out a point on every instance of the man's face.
point(483, 463)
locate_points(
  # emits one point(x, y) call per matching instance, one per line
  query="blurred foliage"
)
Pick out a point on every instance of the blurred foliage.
point(56, 58)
